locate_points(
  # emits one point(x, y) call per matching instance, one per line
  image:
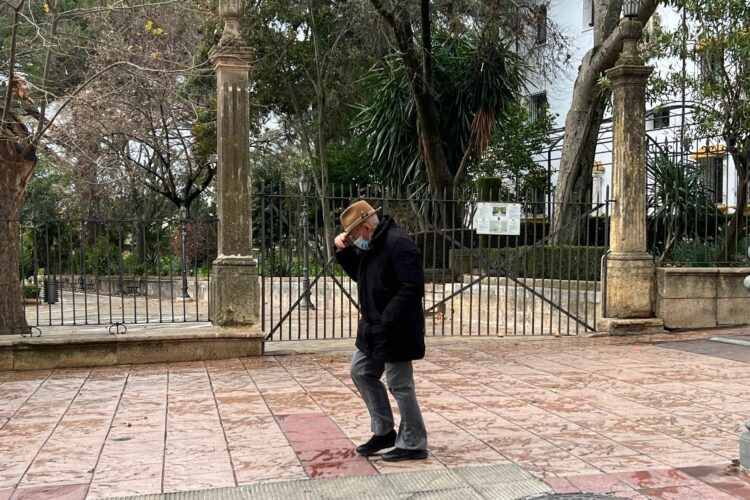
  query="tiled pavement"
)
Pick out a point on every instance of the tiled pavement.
point(620, 415)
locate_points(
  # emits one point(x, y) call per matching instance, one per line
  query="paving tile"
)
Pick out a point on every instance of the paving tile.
point(122, 470)
point(562, 485)
point(430, 463)
point(733, 486)
point(61, 492)
point(711, 493)
point(343, 468)
point(625, 464)
point(191, 482)
point(672, 493)
point(137, 486)
point(656, 479)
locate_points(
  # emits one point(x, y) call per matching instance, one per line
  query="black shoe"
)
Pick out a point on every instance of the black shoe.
point(399, 454)
point(377, 443)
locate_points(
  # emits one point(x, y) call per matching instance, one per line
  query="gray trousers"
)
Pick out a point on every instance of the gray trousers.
point(366, 374)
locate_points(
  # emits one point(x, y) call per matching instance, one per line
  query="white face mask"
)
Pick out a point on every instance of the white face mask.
point(362, 244)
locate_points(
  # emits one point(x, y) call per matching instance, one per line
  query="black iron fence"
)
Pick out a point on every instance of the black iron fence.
point(524, 283)
point(697, 215)
point(105, 272)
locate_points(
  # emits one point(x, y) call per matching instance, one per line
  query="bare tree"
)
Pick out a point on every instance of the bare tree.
point(40, 85)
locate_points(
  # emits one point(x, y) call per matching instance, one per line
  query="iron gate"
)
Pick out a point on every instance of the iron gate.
point(475, 285)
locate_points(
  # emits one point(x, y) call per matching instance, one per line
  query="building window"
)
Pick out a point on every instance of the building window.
point(537, 106)
point(541, 24)
point(713, 176)
point(588, 13)
point(661, 118)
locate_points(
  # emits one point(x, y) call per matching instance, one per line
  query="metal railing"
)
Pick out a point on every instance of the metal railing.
point(112, 272)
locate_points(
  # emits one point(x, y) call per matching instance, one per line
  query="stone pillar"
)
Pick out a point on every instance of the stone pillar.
point(234, 293)
point(629, 267)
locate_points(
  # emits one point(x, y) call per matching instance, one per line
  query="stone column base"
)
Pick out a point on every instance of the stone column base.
point(630, 285)
point(235, 296)
point(616, 327)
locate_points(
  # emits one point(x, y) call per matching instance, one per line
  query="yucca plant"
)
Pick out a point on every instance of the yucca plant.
point(477, 77)
point(678, 197)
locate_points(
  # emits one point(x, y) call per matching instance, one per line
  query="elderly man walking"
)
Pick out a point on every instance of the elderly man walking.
point(387, 266)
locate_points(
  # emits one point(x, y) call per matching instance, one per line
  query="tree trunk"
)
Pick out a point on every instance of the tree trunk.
point(416, 58)
point(573, 189)
point(16, 165)
point(585, 117)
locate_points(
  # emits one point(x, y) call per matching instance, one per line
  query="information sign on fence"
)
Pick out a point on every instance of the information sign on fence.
point(498, 218)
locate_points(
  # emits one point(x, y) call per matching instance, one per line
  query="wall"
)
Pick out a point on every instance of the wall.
point(702, 297)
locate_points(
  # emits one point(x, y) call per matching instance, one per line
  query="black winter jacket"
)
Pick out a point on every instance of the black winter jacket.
point(390, 281)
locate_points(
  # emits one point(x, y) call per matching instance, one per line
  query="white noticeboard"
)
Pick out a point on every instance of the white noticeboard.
point(498, 218)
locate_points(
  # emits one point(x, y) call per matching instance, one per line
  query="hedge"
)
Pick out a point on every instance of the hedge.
point(551, 262)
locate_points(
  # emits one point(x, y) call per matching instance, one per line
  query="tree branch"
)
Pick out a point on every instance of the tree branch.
point(12, 60)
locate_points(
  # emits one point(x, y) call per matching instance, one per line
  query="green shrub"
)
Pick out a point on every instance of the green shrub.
point(550, 262)
point(204, 270)
point(30, 291)
point(689, 252)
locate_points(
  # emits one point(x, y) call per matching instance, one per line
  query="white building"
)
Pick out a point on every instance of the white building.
point(664, 119)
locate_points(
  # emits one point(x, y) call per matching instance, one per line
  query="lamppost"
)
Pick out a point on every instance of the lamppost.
point(183, 234)
point(304, 187)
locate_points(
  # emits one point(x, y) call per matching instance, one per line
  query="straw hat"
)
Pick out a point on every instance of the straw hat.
point(356, 214)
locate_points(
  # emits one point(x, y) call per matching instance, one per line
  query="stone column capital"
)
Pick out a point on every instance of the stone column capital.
point(231, 57)
point(629, 74)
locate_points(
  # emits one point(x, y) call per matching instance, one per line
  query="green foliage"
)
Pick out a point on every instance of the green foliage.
point(294, 268)
point(510, 155)
point(476, 76)
point(102, 257)
point(204, 270)
point(43, 193)
point(714, 41)
point(204, 131)
point(30, 292)
point(131, 265)
point(696, 252)
point(562, 262)
point(490, 189)
point(677, 201)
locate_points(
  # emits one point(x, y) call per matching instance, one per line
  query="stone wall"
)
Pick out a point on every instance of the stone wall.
point(154, 287)
point(702, 297)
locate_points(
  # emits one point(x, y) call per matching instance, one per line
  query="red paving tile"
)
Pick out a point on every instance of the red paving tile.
point(656, 479)
point(66, 492)
point(711, 493)
point(599, 483)
point(561, 485)
point(322, 447)
point(733, 486)
point(672, 493)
